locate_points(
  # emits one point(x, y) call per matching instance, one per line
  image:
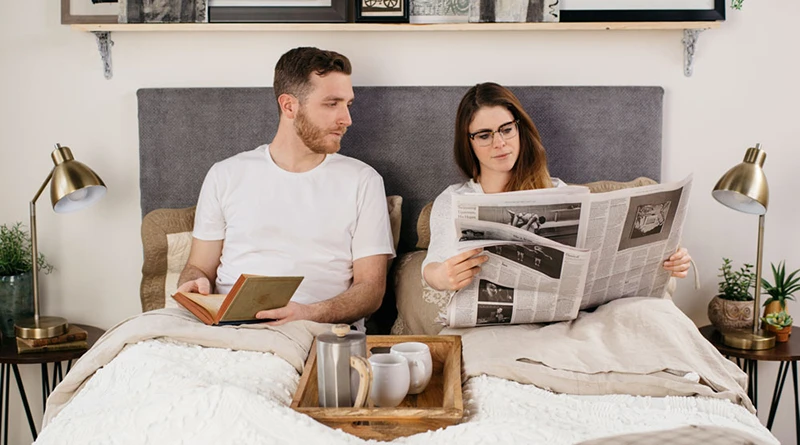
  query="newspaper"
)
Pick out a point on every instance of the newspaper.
point(554, 252)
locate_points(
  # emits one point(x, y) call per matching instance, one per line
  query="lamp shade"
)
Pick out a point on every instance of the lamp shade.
point(74, 185)
point(744, 187)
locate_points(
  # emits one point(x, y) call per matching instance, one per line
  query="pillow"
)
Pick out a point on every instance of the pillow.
point(395, 205)
point(167, 240)
point(418, 305)
point(424, 227)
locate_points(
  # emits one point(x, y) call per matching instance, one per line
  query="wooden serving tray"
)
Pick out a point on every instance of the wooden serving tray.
point(440, 405)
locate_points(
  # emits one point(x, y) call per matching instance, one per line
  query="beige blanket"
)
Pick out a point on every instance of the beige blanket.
point(291, 342)
point(637, 346)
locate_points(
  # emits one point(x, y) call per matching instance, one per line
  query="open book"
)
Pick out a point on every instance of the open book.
point(554, 252)
point(249, 295)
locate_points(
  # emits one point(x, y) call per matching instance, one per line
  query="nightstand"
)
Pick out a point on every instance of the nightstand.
point(787, 353)
point(10, 361)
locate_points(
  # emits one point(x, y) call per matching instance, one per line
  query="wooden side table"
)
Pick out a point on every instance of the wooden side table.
point(10, 361)
point(787, 353)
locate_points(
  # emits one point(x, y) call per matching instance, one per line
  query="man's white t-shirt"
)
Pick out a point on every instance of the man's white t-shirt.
point(312, 224)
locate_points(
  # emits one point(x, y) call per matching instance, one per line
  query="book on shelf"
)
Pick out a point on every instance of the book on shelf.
point(74, 333)
point(249, 295)
point(24, 348)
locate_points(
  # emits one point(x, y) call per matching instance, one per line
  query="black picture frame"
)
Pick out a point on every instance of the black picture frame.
point(372, 17)
point(337, 12)
point(646, 15)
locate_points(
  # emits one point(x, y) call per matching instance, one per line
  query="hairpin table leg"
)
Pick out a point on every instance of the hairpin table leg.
point(6, 390)
point(796, 407)
point(783, 370)
point(24, 400)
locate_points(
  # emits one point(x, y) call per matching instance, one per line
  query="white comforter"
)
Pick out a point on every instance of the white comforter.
point(148, 381)
point(163, 391)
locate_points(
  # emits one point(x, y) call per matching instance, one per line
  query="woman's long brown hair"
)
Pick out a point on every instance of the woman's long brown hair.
point(530, 170)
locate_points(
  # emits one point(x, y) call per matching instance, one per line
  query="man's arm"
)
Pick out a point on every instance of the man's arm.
point(201, 269)
point(361, 299)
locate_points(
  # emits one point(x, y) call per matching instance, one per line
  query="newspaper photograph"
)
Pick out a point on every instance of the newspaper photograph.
point(556, 251)
point(527, 278)
point(553, 213)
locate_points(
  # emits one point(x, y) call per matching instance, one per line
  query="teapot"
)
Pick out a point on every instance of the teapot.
point(344, 376)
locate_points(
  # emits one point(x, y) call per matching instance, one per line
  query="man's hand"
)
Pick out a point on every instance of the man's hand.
point(291, 312)
point(198, 285)
point(678, 263)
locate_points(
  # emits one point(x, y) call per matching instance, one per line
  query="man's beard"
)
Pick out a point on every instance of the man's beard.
point(314, 137)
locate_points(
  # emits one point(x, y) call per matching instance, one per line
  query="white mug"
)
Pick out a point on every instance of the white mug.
point(390, 378)
point(420, 366)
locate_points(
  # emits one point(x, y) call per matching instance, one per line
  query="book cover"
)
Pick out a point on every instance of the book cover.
point(24, 348)
point(249, 295)
point(73, 334)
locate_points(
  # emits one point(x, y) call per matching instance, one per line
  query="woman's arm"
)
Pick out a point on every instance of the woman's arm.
point(444, 268)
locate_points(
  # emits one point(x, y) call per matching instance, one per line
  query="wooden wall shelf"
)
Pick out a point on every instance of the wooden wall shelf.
point(102, 32)
point(383, 27)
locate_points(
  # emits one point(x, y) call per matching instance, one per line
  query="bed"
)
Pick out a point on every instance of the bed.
point(162, 377)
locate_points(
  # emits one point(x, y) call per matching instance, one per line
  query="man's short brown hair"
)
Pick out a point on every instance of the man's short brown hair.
point(293, 70)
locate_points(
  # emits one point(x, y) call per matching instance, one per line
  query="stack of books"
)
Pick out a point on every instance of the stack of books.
point(75, 338)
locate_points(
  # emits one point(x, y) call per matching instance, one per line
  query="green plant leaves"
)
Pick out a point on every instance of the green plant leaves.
point(783, 286)
point(735, 285)
point(15, 251)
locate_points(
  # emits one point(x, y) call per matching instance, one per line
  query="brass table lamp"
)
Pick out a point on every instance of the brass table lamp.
point(73, 187)
point(744, 188)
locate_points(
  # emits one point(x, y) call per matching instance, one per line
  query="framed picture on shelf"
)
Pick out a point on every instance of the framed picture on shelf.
point(278, 11)
point(87, 12)
point(642, 10)
point(382, 11)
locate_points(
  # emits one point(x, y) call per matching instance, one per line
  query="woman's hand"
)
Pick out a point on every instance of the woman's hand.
point(457, 272)
point(678, 263)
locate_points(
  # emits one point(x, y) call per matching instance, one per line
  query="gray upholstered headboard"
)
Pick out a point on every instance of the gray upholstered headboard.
point(405, 133)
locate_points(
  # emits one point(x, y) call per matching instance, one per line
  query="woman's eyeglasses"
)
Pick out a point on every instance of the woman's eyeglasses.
point(486, 137)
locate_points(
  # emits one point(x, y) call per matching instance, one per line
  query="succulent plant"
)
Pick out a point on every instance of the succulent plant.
point(778, 319)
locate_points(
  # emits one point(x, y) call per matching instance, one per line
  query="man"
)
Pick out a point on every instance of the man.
point(295, 207)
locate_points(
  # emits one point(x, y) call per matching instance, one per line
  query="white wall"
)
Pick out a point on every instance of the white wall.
point(52, 90)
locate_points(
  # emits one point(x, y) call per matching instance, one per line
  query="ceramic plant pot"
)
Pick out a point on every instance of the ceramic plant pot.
point(16, 301)
point(728, 315)
point(781, 334)
point(773, 308)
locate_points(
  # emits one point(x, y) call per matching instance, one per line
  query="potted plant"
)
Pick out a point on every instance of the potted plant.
point(16, 282)
point(780, 323)
point(732, 308)
point(782, 289)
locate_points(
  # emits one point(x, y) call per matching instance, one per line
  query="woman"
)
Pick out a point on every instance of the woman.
point(498, 146)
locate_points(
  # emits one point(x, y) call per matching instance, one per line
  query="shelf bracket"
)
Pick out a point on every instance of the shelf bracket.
point(689, 42)
point(104, 44)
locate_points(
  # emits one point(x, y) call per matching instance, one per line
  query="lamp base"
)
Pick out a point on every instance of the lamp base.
point(45, 327)
point(748, 340)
